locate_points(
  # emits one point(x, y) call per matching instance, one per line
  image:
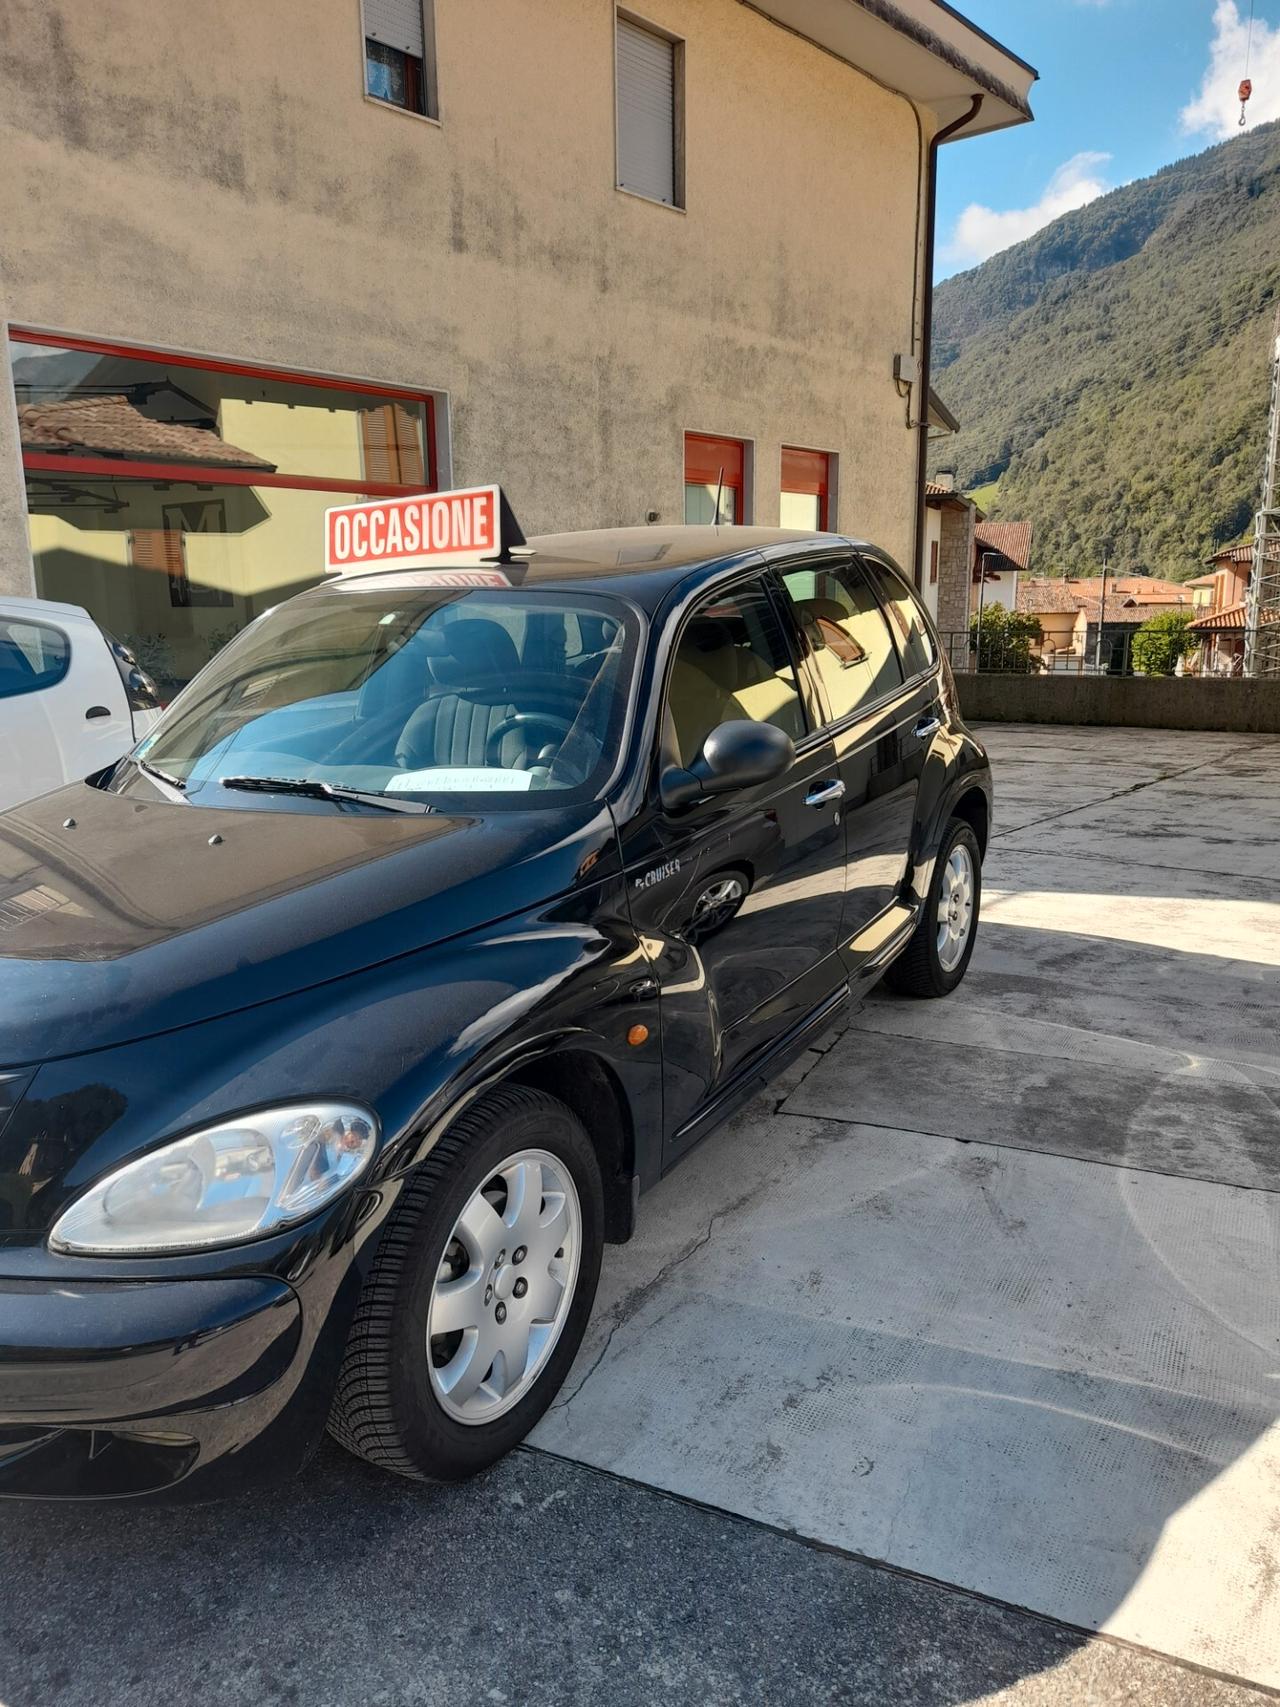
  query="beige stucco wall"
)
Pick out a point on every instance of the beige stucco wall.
point(211, 178)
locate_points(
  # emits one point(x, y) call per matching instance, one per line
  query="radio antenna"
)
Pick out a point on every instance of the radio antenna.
point(719, 494)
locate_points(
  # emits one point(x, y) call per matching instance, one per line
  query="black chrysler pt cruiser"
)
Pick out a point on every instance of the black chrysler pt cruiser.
point(344, 1021)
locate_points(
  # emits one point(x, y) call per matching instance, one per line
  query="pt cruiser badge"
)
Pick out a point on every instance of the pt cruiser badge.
point(658, 874)
point(358, 1009)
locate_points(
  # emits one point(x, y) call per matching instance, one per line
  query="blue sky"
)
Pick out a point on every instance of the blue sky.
point(1125, 87)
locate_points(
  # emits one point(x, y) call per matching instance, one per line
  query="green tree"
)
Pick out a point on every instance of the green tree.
point(1002, 639)
point(1161, 641)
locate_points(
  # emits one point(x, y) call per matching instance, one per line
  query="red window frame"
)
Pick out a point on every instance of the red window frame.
point(933, 561)
point(704, 458)
point(202, 474)
point(808, 473)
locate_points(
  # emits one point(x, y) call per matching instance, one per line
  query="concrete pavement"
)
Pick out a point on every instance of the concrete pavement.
point(989, 1293)
point(984, 1292)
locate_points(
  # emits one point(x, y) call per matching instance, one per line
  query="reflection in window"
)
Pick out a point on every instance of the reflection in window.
point(171, 571)
point(732, 662)
point(33, 655)
point(910, 630)
point(176, 501)
point(395, 54)
point(411, 691)
point(700, 505)
point(848, 638)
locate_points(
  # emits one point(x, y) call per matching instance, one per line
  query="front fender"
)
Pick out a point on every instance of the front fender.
point(412, 1038)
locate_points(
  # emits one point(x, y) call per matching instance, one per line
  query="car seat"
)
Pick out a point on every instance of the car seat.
point(474, 667)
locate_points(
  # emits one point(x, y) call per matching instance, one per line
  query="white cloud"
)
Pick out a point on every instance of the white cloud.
point(981, 231)
point(1216, 109)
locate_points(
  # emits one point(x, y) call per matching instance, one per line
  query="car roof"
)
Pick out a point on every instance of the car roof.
point(641, 563)
point(18, 604)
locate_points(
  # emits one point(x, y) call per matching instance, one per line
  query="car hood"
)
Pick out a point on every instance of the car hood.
point(122, 917)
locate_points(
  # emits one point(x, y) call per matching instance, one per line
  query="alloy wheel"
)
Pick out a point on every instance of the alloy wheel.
point(504, 1287)
point(955, 908)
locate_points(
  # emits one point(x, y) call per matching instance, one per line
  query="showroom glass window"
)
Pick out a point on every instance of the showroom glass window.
point(176, 500)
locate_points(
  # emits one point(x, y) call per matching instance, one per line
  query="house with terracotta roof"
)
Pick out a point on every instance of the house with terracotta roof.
point(950, 522)
point(1084, 619)
point(112, 426)
point(1001, 554)
point(1221, 609)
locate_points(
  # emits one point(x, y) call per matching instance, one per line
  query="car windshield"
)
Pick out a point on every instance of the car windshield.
point(408, 693)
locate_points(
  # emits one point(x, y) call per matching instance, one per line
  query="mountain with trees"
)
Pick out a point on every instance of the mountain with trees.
point(1110, 373)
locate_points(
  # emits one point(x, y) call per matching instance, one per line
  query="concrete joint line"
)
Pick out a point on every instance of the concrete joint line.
point(1027, 1150)
point(799, 1539)
point(1119, 794)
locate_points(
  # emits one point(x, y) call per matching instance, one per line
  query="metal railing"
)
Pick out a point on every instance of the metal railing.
point(999, 655)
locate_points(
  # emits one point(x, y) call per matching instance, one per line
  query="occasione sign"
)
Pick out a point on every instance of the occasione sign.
point(423, 531)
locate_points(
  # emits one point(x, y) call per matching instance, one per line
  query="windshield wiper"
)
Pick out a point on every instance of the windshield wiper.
point(159, 775)
point(314, 789)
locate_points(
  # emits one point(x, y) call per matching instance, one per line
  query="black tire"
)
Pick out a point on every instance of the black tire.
point(918, 971)
point(385, 1408)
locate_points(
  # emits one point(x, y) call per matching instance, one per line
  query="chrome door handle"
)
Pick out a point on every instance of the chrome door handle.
point(825, 794)
point(927, 726)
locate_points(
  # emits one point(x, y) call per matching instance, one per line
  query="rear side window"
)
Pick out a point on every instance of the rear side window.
point(910, 628)
point(33, 655)
point(848, 637)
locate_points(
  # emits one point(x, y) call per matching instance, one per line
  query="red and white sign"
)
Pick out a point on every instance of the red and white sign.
point(419, 532)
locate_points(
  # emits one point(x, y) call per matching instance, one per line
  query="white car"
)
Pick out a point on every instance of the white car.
point(72, 699)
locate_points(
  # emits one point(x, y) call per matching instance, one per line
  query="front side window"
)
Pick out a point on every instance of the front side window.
point(910, 629)
point(398, 54)
point(413, 692)
point(33, 655)
point(732, 661)
point(848, 637)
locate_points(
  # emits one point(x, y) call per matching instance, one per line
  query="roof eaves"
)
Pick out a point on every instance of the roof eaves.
point(932, 42)
point(989, 39)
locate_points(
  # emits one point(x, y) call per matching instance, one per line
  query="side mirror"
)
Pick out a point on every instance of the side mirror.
point(741, 754)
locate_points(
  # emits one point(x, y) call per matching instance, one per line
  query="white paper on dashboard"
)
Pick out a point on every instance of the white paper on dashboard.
point(460, 779)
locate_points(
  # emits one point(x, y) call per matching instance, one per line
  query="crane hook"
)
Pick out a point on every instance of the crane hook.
point(1246, 87)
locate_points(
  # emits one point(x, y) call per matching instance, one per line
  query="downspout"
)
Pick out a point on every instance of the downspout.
point(926, 307)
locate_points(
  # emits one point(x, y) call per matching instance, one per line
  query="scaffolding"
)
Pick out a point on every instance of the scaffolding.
point(1262, 608)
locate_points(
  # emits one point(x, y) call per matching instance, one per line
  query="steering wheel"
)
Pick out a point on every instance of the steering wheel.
point(523, 720)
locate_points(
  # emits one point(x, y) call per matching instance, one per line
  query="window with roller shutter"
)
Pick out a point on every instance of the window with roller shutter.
point(391, 439)
point(650, 112)
point(399, 54)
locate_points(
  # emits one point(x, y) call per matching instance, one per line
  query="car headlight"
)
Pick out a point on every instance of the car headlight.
point(241, 1179)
